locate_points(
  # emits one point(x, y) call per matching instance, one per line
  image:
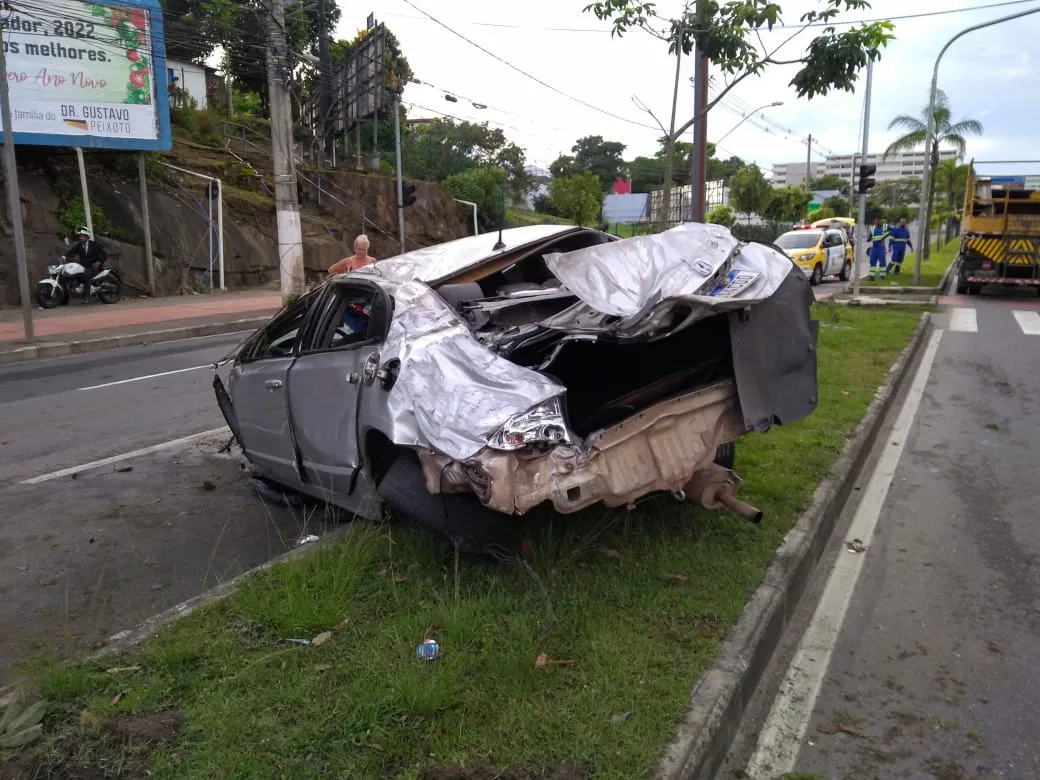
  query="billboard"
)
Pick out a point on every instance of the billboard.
point(86, 74)
point(364, 81)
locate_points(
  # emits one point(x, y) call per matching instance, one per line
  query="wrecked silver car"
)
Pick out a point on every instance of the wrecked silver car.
point(479, 378)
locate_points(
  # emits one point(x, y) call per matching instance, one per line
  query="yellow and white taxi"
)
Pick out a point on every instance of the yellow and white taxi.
point(819, 252)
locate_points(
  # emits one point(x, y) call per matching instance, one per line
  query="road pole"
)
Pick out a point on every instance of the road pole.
point(87, 217)
point(861, 221)
point(287, 205)
point(699, 161)
point(400, 182)
point(922, 227)
point(146, 223)
point(14, 198)
point(220, 231)
point(808, 160)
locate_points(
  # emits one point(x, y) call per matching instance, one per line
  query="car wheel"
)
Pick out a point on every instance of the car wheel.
point(817, 275)
point(459, 517)
point(962, 289)
point(726, 455)
point(846, 271)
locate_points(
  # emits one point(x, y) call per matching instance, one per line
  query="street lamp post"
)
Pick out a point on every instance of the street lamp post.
point(747, 116)
point(922, 227)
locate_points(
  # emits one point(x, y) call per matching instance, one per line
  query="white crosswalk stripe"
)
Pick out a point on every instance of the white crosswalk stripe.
point(963, 320)
point(1028, 321)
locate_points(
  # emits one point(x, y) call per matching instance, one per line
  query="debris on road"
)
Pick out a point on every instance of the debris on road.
point(855, 546)
point(306, 540)
point(428, 650)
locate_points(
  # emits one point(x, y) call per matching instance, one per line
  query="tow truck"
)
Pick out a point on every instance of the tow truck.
point(1000, 233)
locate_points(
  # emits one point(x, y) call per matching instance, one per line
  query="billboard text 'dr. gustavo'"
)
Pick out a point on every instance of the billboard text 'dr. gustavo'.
point(86, 74)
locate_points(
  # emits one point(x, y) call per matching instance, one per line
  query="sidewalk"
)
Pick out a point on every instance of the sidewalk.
point(77, 327)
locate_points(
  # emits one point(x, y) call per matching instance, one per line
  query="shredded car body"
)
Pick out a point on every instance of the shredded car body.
point(569, 367)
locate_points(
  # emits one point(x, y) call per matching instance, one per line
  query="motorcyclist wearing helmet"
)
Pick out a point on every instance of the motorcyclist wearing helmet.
point(89, 253)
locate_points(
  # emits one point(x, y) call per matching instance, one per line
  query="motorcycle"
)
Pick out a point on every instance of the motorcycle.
point(65, 279)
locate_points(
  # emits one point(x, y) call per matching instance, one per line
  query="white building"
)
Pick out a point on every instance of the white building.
point(898, 166)
point(189, 77)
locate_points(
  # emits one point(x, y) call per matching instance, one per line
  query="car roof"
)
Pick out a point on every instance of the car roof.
point(439, 261)
point(804, 231)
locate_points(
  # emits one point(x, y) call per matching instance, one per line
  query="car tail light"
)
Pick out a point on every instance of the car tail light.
point(541, 426)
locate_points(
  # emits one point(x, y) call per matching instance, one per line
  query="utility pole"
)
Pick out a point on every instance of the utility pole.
point(669, 141)
point(146, 220)
point(328, 140)
point(861, 226)
point(14, 198)
point(400, 183)
point(700, 138)
point(287, 205)
point(808, 161)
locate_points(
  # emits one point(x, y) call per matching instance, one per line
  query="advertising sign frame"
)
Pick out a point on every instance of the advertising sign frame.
point(164, 140)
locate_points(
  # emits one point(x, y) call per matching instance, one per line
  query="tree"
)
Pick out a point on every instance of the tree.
point(485, 187)
point(646, 173)
point(823, 213)
point(838, 205)
point(594, 155)
point(722, 215)
point(897, 192)
point(749, 191)
point(440, 148)
point(578, 198)
point(947, 132)
point(830, 181)
point(951, 180)
point(787, 204)
point(728, 33)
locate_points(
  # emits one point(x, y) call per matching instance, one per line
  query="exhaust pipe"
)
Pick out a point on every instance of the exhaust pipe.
point(716, 487)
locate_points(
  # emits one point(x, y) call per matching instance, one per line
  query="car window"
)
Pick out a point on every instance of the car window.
point(358, 315)
point(798, 239)
point(279, 336)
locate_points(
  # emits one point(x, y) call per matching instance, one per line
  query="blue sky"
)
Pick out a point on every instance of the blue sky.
point(989, 75)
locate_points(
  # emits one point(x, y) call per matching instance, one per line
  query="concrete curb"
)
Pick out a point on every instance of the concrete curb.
point(66, 348)
point(717, 704)
point(125, 640)
point(944, 285)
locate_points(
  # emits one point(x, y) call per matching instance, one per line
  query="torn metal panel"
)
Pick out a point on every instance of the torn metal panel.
point(635, 279)
point(774, 356)
point(452, 392)
point(658, 449)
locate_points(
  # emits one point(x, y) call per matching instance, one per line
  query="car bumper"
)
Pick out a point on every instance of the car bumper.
point(660, 449)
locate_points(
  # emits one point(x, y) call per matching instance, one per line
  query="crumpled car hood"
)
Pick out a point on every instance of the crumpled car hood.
point(630, 280)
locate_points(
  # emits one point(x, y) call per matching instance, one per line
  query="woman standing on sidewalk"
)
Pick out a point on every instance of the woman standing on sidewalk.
point(359, 259)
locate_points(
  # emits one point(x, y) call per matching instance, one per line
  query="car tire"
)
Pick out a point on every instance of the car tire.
point(962, 289)
point(726, 455)
point(817, 275)
point(846, 271)
point(458, 517)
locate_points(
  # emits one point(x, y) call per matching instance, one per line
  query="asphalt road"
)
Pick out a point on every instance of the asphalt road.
point(934, 669)
point(83, 557)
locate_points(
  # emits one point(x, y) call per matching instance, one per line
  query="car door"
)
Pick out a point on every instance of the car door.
point(335, 365)
point(259, 410)
point(835, 253)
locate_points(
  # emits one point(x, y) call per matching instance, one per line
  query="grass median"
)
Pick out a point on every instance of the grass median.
point(932, 270)
point(579, 659)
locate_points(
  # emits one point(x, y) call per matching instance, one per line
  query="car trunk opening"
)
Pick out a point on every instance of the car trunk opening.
point(608, 381)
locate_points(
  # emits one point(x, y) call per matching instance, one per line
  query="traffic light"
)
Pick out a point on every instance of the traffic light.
point(408, 195)
point(866, 178)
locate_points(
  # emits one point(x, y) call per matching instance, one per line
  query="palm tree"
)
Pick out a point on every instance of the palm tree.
point(946, 132)
point(951, 178)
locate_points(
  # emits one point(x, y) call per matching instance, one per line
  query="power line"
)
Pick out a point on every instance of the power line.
point(528, 75)
point(835, 23)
